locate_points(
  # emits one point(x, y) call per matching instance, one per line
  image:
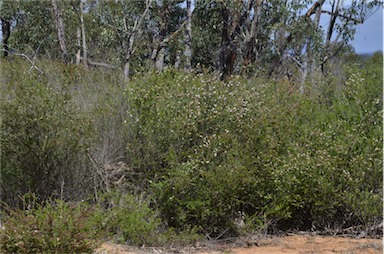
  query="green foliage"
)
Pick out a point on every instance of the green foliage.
point(220, 148)
point(43, 136)
point(130, 220)
point(51, 227)
point(201, 155)
point(34, 30)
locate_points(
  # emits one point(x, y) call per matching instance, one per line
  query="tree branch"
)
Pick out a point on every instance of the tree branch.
point(313, 9)
point(356, 21)
point(32, 62)
point(167, 39)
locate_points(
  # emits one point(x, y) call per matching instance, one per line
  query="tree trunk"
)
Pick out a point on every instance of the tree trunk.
point(331, 28)
point(60, 30)
point(6, 31)
point(224, 43)
point(159, 51)
point(132, 37)
point(160, 60)
point(304, 73)
point(188, 38)
point(177, 60)
point(85, 50)
point(250, 35)
point(128, 55)
point(78, 54)
point(126, 69)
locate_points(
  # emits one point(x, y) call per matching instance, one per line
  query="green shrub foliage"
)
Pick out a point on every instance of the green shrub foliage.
point(43, 136)
point(129, 219)
point(51, 227)
point(215, 149)
point(209, 153)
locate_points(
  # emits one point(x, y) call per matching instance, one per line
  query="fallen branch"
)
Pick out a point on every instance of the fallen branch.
point(33, 65)
point(100, 64)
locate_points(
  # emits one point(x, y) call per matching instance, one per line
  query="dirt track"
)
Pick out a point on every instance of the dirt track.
point(303, 244)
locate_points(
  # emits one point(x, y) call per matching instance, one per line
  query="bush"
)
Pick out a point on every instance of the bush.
point(130, 220)
point(215, 149)
point(208, 153)
point(44, 138)
point(51, 227)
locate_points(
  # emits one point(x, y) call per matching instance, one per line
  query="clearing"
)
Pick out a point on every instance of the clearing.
point(303, 244)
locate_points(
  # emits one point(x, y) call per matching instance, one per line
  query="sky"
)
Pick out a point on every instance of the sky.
point(369, 36)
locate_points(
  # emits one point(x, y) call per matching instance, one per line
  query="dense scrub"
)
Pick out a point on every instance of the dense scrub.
point(185, 153)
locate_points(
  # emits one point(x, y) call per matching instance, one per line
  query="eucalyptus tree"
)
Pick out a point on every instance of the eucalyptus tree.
point(60, 29)
point(167, 22)
point(343, 18)
point(206, 26)
point(323, 44)
point(37, 29)
point(123, 28)
point(30, 27)
point(6, 15)
point(188, 36)
point(6, 32)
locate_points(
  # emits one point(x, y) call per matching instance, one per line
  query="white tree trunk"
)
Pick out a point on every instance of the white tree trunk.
point(60, 30)
point(85, 50)
point(188, 38)
point(132, 37)
point(78, 53)
point(126, 70)
point(160, 60)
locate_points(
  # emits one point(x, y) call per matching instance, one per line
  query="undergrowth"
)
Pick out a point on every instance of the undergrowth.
point(181, 155)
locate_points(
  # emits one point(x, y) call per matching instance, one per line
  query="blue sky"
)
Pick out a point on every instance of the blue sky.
point(369, 36)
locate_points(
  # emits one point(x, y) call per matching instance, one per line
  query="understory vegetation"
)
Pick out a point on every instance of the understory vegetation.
point(177, 156)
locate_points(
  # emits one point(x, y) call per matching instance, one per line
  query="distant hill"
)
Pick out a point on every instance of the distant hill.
point(365, 56)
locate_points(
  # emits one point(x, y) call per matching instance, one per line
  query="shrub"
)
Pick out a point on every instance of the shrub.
point(43, 136)
point(225, 148)
point(51, 227)
point(203, 150)
point(130, 220)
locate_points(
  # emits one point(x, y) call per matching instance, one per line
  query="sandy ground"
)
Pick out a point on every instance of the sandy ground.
point(300, 244)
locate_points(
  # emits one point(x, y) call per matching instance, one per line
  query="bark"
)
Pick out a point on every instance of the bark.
point(177, 60)
point(6, 32)
point(313, 8)
point(160, 60)
point(250, 35)
point(310, 63)
point(60, 30)
point(224, 63)
point(318, 15)
point(127, 69)
point(159, 52)
point(304, 69)
point(128, 57)
point(137, 28)
point(78, 54)
point(188, 38)
point(85, 50)
point(331, 28)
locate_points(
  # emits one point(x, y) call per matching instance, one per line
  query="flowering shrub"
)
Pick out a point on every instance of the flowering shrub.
point(206, 153)
point(212, 149)
point(52, 227)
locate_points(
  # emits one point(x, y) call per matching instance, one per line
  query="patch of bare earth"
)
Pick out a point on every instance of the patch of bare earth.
point(298, 244)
